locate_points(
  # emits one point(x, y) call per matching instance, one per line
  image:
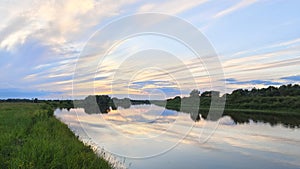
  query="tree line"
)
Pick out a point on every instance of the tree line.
point(283, 98)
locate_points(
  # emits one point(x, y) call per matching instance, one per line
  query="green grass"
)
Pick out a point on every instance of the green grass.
point(31, 137)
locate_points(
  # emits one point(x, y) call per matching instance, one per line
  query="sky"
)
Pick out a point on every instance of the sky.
point(51, 49)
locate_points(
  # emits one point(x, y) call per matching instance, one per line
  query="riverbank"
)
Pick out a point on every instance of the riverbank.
point(31, 137)
point(288, 118)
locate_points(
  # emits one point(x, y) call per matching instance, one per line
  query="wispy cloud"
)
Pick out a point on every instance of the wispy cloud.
point(252, 82)
point(278, 58)
point(293, 79)
point(171, 7)
point(288, 44)
point(238, 6)
point(285, 43)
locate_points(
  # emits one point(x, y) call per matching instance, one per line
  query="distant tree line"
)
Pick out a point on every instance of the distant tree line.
point(67, 104)
point(284, 98)
point(284, 90)
point(271, 104)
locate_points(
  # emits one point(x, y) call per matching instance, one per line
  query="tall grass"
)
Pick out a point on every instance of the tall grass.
point(31, 137)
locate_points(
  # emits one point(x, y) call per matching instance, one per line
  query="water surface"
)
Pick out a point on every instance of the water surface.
point(150, 136)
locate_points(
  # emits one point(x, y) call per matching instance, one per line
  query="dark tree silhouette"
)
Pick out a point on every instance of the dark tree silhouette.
point(194, 93)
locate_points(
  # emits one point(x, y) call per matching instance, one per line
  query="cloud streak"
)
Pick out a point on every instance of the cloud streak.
point(252, 82)
point(293, 79)
point(238, 6)
point(171, 7)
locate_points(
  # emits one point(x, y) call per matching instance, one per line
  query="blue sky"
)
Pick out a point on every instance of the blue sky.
point(257, 42)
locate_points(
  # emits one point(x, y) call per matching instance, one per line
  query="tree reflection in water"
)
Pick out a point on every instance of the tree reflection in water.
point(104, 104)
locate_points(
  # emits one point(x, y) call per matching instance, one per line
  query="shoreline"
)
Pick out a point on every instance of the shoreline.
point(115, 161)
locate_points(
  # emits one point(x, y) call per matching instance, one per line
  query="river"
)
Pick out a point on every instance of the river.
point(149, 136)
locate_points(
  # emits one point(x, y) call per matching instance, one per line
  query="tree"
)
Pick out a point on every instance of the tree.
point(210, 93)
point(194, 93)
point(103, 103)
point(97, 104)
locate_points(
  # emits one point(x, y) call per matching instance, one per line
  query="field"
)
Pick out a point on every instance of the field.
point(31, 137)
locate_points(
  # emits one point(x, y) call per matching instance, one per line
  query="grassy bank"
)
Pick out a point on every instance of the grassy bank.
point(31, 137)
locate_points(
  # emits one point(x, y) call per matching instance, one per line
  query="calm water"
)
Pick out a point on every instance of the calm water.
point(148, 136)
